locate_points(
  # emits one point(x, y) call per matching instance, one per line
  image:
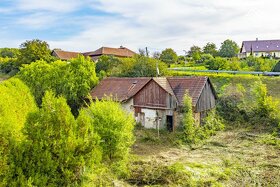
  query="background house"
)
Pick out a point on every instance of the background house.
point(260, 48)
point(64, 55)
point(121, 52)
point(157, 102)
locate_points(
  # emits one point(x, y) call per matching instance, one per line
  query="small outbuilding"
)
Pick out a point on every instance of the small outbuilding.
point(157, 102)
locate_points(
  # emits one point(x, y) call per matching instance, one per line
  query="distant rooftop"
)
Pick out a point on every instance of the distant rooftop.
point(65, 55)
point(260, 46)
point(119, 52)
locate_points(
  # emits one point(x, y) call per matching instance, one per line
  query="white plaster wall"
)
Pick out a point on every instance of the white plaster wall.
point(150, 118)
point(128, 106)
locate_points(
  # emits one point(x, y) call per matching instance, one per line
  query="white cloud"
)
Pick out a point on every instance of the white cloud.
point(159, 24)
point(37, 20)
point(48, 5)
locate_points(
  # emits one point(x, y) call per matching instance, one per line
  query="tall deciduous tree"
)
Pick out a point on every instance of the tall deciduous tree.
point(73, 79)
point(210, 48)
point(168, 56)
point(229, 48)
point(195, 52)
point(33, 50)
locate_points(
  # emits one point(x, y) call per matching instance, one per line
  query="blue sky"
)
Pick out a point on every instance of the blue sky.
point(85, 25)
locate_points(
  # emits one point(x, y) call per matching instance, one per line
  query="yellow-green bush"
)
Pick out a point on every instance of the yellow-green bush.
point(16, 102)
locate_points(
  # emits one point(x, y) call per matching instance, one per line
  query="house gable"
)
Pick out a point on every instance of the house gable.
point(207, 98)
point(152, 95)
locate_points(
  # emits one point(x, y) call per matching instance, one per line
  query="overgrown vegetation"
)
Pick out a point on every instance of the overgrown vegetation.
point(47, 146)
point(194, 133)
point(73, 79)
point(16, 101)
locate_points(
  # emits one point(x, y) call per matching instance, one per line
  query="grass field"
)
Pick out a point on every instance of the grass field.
point(239, 157)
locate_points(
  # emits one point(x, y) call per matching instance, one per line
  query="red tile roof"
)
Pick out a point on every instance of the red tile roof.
point(123, 89)
point(65, 55)
point(194, 85)
point(120, 89)
point(119, 52)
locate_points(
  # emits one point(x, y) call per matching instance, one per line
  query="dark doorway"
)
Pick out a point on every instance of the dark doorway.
point(169, 122)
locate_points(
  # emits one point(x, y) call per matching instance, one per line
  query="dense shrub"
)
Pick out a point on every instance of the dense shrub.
point(73, 79)
point(8, 65)
point(188, 120)
point(57, 150)
point(16, 102)
point(231, 103)
point(194, 133)
point(265, 111)
point(115, 128)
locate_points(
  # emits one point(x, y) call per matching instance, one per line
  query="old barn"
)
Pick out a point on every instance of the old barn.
point(157, 102)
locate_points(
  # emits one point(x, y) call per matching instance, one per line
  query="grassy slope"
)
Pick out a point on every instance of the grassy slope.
point(231, 158)
point(238, 157)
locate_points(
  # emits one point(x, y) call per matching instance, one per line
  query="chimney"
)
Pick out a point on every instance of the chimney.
point(257, 39)
point(122, 47)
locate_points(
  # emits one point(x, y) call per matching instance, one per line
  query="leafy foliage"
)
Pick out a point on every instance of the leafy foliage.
point(231, 103)
point(8, 64)
point(141, 66)
point(33, 50)
point(188, 119)
point(16, 102)
point(73, 79)
point(228, 48)
point(107, 64)
point(210, 48)
point(195, 52)
point(57, 148)
point(115, 128)
point(9, 52)
point(266, 111)
point(194, 133)
point(168, 56)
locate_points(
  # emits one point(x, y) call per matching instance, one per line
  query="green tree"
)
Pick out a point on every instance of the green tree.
point(195, 52)
point(73, 79)
point(115, 127)
point(210, 48)
point(57, 149)
point(33, 50)
point(228, 48)
point(141, 66)
point(107, 64)
point(16, 101)
point(168, 56)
